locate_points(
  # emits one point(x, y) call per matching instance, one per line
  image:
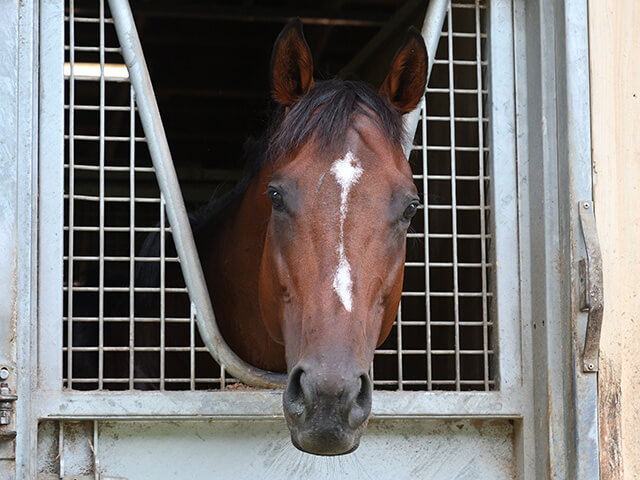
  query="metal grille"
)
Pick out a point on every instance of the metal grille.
point(442, 337)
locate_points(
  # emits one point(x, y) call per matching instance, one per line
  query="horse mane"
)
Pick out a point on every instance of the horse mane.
point(322, 115)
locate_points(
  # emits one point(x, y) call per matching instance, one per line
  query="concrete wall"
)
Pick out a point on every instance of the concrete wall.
point(615, 108)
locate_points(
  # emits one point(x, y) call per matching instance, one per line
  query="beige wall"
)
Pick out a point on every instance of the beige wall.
point(614, 27)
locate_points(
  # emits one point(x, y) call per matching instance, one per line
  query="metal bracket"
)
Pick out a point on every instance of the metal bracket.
point(6, 401)
point(591, 279)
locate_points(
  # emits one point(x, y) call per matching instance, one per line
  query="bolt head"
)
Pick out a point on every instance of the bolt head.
point(4, 373)
point(591, 366)
point(585, 205)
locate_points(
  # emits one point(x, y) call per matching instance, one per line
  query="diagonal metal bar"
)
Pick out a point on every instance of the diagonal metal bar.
point(431, 31)
point(176, 210)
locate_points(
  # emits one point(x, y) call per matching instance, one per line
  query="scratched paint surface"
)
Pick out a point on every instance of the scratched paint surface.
point(399, 449)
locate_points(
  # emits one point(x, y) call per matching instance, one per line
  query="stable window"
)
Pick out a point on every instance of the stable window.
point(455, 349)
point(443, 338)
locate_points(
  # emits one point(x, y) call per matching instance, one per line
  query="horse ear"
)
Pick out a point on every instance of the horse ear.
point(406, 81)
point(291, 65)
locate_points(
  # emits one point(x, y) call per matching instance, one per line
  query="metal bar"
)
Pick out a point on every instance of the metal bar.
point(98, 198)
point(111, 168)
point(438, 294)
point(461, 91)
point(32, 35)
point(137, 319)
point(454, 219)
point(85, 19)
point(446, 148)
point(107, 108)
point(94, 450)
point(440, 235)
point(132, 235)
point(431, 31)
point(108, 138)
point(594, 293)
point(94, 49)
point(469, 63)
point(176, 211)
point(445, 118)
point(147, 379)
point(423, 352)
point(120, 229)
point(162, 291)
point(435, 382)
point(399, 343)
point(102, 200)
point(110, 258)
point(61, 459)
point(192, 347)
point(444, 264)
point(481, 180)
point(71, 197)
point(427, 281)
point(258, 405)
point(448, 177)
point(126, 289)
point(125, 348)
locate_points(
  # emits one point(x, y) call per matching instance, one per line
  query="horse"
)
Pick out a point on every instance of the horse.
point(304, 258)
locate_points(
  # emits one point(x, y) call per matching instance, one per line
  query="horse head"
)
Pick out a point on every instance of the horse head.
point(342, 198)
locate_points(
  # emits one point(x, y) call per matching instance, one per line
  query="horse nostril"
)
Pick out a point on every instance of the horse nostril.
point(361, 407)
point(294, 397)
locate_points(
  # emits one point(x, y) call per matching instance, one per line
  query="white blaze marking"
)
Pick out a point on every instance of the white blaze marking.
point(347, 171)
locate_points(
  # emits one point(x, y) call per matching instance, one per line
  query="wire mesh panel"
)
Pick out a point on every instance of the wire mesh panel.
point(123, 332)
point(442, 338)
point(119, 333)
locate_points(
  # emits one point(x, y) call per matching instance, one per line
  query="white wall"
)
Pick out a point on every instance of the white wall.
point(615, 102)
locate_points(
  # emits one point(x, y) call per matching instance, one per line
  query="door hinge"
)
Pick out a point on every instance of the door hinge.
point(7, 399)
point(591, 285)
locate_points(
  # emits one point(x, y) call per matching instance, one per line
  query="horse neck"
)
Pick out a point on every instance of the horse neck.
point(231, 256)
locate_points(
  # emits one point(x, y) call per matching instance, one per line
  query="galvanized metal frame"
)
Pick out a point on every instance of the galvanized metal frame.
point(507, 401)
point(555, 408)
point(19, 29)
point(554, 173)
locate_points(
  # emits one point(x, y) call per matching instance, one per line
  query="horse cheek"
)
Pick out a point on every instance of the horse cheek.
point(271, 301)
point(390, 304)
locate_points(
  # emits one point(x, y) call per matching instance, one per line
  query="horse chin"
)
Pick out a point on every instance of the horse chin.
point(327, 444)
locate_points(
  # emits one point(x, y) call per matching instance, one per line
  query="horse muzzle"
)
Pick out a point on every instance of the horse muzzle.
point(327, 409)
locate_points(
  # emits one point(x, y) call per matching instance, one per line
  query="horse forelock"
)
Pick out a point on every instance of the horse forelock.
point(325, 114)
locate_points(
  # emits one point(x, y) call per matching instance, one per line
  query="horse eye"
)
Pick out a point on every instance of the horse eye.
point(410, 211)
point(276, 199)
